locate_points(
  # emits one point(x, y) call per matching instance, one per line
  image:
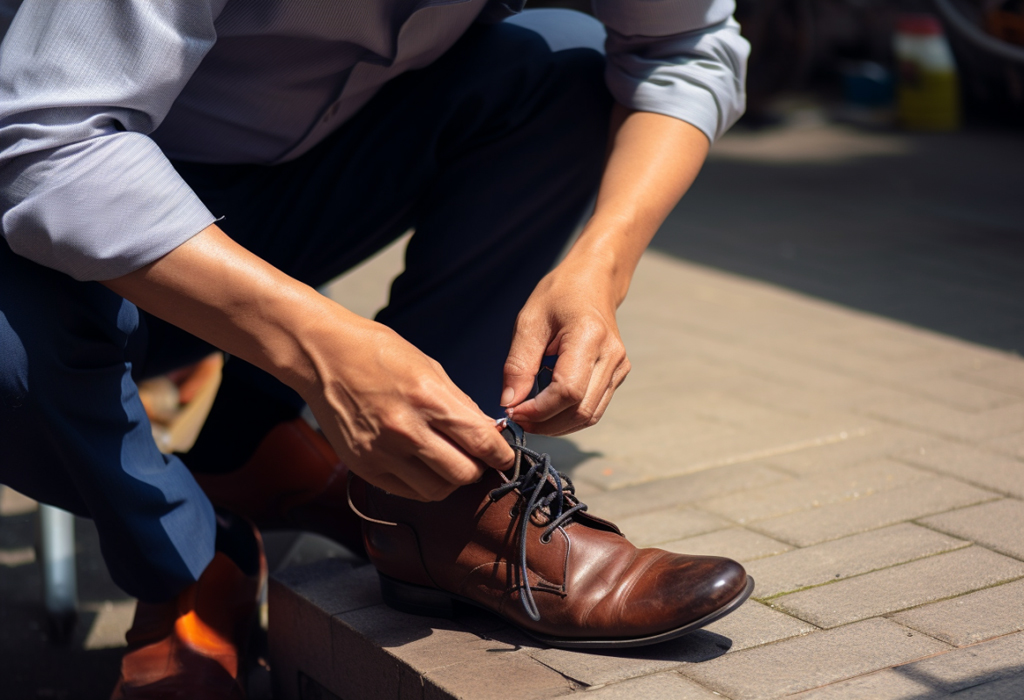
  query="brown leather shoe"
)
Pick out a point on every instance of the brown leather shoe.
point(192, 647)
point(294, 481)
point(588, 586)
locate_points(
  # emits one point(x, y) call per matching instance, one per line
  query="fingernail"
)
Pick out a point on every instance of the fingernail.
point(507, 395)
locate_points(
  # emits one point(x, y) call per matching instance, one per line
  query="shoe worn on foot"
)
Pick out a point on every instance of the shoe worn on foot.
point(294, 481)
point(522, 545)
point(192, 647)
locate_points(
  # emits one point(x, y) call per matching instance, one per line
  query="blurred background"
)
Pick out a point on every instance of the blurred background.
point(880, 166)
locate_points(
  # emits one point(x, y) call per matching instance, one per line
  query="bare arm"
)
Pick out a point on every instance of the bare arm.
point(390, 411)
point(653, 161)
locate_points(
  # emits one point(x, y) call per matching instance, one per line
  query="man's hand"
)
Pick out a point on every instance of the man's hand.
point(389, 411)
point(652, 161)
point(570, 314)
point(396, 418)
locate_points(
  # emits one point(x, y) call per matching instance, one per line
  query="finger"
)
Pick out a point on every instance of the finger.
point(570, 420)
point(414, 481)
point(449, 462)
point(522, 363)
point(582, 416)
point(572, 380)
point(474, 434)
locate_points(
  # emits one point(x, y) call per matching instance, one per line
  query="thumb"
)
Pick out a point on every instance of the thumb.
point(521, 366)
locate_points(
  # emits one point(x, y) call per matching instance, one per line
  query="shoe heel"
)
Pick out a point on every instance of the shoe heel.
point(415, 600)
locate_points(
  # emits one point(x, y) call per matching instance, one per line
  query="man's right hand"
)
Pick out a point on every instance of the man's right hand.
point(391, 413)
point(397, 420)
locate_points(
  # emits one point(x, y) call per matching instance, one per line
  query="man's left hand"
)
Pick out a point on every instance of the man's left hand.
point(571, 314)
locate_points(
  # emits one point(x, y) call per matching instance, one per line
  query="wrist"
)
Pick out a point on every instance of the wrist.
point(604, 258)
point(318, 332)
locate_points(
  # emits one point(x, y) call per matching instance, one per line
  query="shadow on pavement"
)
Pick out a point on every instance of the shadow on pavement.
point(927, 230)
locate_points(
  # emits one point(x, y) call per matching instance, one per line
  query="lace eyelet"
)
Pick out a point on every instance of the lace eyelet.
point(545, 538)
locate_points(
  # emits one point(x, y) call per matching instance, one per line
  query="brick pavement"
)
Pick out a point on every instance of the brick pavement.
point(865, 471)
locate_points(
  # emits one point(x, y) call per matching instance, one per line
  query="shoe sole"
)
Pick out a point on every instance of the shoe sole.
point(430, 602)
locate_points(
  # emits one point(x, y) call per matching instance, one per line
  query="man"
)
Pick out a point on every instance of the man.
point(180, 175)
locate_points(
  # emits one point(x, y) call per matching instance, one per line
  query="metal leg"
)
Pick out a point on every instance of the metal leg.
point(57, 557)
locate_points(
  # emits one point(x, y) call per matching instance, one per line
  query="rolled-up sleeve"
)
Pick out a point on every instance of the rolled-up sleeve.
point(83, 189)
point(682, 58)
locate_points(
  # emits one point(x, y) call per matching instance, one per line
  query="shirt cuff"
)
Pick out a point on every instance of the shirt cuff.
point(98, 209)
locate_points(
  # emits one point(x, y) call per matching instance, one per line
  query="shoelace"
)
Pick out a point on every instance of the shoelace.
point(531, 486)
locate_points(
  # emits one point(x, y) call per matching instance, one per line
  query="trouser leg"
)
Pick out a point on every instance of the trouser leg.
point(75, 435)
point(498, 213)
point(492, 153)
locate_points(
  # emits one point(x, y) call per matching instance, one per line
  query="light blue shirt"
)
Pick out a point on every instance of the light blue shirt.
point(96, 95)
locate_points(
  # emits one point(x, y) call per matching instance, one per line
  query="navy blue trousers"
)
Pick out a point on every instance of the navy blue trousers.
point(492, 153)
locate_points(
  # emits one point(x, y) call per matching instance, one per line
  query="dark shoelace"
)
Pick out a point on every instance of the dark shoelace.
point(531, 485)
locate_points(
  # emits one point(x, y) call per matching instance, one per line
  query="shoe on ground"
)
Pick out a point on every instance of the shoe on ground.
point(193, 646)
point(521, 545)
point(293, 481)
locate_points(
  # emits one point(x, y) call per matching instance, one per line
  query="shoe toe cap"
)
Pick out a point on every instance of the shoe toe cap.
point(677, 590)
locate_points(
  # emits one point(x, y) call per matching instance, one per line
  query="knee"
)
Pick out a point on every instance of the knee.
point(563, 30)
point(572, 56)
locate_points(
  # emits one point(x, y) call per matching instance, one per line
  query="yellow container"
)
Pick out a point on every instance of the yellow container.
point(928, 88)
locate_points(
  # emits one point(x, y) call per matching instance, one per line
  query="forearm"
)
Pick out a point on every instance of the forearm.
point(652, 162)
point(391, 413)
point(215, 289)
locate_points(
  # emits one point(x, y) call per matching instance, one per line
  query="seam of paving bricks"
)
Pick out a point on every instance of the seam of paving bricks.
point(905, 663)
point(976, 484)
point(976, 544)
point(767, 599)
point(888, 615)
point(743, 458)
point(780, 538)
point(910, 631)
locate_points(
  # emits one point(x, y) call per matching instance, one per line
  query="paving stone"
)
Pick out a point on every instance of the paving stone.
point(1006, 375)
point(924, 497)
point(735, 543)
point(938, 418)
point(960, 669)
point(1012, 445)
point(970, 464)
point(1011, 688)
point(755, 624)
point(887, 684)
point(814, 491)
point(847, 453)
point(333, 586)
point(850, 556)
point(495, 676)
point(601, 668)
point(663, 686)
point(961, 394)
point(900, 587)
point(294, 622)
point(669, 525)
point(998, 525)
point(674, 492)
point(658, 449)
point(816, 659)
point(971, 618)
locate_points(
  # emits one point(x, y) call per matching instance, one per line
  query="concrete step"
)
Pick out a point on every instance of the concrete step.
point(332, 637)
